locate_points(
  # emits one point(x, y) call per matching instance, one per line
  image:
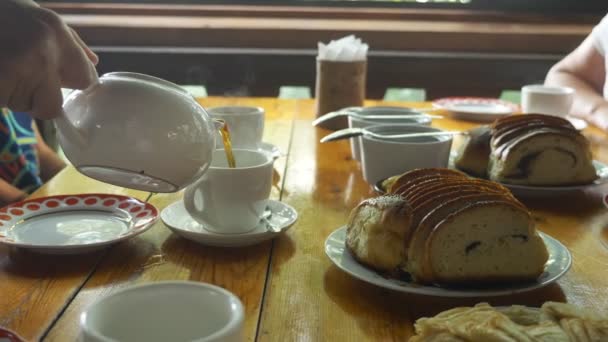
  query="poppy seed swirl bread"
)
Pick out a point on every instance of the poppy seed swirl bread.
point(447, 230)
point(531, 149)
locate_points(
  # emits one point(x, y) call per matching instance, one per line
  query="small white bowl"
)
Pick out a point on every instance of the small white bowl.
point(165, 311)
point(355, 143)
point(382, 158)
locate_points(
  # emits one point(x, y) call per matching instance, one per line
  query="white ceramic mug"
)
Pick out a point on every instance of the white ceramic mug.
point(383, 158)
point(231, 200)
point(355, 143)
point(245, 124)
point(165, 311)
point(549, 100)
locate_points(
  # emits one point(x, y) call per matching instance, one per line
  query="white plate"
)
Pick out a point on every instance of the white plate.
point(71, 224)
point(531, 191)
point(179, 221)
point(558, 264)
point(476, 108)
point(544, 191)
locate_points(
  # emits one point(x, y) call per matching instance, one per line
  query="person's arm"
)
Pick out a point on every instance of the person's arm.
point(50, 163)
point(584, 70)
point(10, 194)
point(40, 54)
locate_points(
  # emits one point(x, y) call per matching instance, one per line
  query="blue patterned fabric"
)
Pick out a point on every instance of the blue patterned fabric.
point(18, 158)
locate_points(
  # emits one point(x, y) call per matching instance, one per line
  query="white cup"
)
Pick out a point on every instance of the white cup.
point(383, 158)
point(549, 100)
point(245, 124)
point(165, 311)
point(355, 143)
point(231, 200)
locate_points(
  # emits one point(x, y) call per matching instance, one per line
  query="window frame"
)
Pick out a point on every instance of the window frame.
point(511, 6)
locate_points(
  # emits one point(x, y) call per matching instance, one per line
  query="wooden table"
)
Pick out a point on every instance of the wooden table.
point(290, 289)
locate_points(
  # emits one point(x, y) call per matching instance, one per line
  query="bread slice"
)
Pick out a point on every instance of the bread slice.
point(439, 187)
point(485, 242)
point(545, 156)
point(376, 231)
point(427, 218)
point(509, 133)
point(423, 181)
point(510, 121)
point(416, 190)
point(474, 153)
point(410, 176)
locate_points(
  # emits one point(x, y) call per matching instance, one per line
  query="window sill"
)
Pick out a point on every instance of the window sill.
point(301, 28)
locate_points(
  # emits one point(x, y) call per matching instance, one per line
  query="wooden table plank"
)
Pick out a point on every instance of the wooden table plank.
point(160, 255)
point(309, 299)
point(306, 297)
point(34, 288)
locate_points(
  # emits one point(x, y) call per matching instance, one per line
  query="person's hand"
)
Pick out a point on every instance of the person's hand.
point(40, 54)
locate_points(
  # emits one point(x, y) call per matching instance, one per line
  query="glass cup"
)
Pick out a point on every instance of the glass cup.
point(339, 85)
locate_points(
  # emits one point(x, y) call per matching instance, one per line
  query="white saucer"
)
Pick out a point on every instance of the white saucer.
point(71, 224)
point(180, 222)
point(557, 265)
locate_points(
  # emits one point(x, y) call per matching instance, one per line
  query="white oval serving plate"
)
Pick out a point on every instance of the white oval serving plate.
point(558, 264)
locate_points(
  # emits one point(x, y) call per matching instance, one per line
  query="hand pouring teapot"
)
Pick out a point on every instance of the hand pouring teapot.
point(137, 131)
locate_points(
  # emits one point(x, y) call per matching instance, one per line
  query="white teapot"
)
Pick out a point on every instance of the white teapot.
point(137, 131)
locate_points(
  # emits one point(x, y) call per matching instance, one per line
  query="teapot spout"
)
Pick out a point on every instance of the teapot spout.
point(219, 123)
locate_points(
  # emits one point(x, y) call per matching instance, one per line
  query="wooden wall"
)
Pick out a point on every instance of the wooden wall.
point(253, 50)
point(261, 73)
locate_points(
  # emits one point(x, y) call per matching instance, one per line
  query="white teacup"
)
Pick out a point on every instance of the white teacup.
point(549, 100)
point(355, 143)
point(383, 158)
point(246, 125)
point(165, 311)
point(231, 200)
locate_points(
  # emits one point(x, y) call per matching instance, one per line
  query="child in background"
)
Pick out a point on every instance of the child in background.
point(26, 161)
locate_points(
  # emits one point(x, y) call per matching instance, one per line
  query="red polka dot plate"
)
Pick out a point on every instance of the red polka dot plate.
point(70, 224)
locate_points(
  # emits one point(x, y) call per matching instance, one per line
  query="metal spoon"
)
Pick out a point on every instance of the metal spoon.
point(266, 219)
point(412, 113)
point(355, 132)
